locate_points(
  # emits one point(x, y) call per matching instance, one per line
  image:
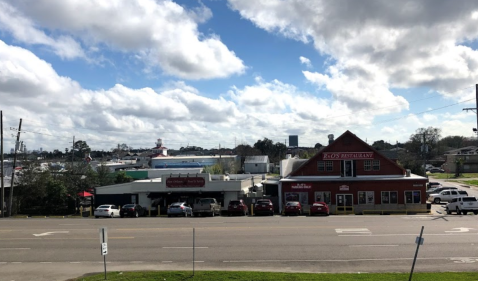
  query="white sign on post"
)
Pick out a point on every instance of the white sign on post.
point(104, 249)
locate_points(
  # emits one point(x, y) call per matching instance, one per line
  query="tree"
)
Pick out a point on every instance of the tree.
point(318, 145)
point(381, 145)
point(265, 146)
point(215, 169)
point(246, 150)
point(122, 177)
point(81, 148)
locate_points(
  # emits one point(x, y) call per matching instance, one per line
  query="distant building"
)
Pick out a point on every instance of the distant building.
point(257, 164)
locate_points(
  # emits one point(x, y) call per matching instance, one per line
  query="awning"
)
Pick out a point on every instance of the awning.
point(84, 194)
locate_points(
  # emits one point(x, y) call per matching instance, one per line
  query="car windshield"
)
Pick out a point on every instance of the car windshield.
point(263, 202)
point(206, 201)
point(128, 206)
point(292, 204)
point(104, 207)
point(235, 202)
point(469, 199)
point(318, 204)
point(462, 192)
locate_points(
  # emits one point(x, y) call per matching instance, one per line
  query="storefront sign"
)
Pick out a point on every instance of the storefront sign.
point(301, 186)
point(185, 182)
point(347, 155)
point(344, 188)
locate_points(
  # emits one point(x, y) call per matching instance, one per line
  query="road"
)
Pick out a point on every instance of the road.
point(58, 249)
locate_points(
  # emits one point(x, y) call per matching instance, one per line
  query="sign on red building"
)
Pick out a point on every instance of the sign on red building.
point(185, 182)
point(301, 186)
point(347, 155)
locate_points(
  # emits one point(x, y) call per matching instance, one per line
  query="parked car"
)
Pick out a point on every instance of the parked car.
point(237, 207)
point(207, 206)
point(132, 210)
point(439, 189)
point(433, 185)
point(180, 209)
point(264, 206)
point(109, 211)
point(436, 170)
point(292, 208)
point(319, 208)
point(463, 205)
point(446, 195)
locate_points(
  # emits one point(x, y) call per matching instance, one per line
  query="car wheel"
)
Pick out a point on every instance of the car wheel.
point(112, 215)
point(272, 213)
point(475, 212)
point(96, 217)
point(121, 216)
point(448, 212)
point(136, 214)
point(437, 201)
point(458, 212)
point(465, 213)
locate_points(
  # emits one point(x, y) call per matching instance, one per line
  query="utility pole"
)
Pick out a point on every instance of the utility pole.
point(72, 150)
point(424, 150)
point(2, 192)
point(14, 166)
point(475, 110)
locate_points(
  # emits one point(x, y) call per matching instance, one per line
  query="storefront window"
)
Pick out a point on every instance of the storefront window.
point(302, 197)
point(389, 197)
point(321, 166)
point(412, 197)
point(366, 197)
point(376, 165)
point(329, 165)
point(323, 196)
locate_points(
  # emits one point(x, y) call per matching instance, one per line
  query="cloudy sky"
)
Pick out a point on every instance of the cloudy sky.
point(216, 73)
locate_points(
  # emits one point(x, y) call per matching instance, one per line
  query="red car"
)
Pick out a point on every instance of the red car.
point(264, 206)
point(292, 208)
point(319, 208)
point(237, 207)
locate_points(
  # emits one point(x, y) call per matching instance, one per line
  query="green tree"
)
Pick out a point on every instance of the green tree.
point(381, 145)
point(55, 197)
point(246, 150)
point(216, 169)
point(265, 146)
point(80, 149)
point(121, 177)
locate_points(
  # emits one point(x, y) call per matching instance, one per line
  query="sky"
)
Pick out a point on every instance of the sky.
point(217, 73)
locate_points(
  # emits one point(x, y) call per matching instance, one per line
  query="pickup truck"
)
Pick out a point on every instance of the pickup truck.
point(446, 195)
point(206, 206)
point(462, 205)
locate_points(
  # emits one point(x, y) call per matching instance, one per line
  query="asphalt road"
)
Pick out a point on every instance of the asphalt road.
point(58, 249)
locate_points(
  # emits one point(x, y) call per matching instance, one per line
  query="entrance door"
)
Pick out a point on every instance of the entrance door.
point(345, 203)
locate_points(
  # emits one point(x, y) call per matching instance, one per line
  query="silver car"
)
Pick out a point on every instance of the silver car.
point(180, 209)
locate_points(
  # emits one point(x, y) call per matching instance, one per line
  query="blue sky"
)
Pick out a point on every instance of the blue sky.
point(210, 73)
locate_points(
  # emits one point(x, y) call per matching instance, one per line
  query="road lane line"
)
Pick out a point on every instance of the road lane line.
point(184, 247)
point(167, 261)
point(15, 249)
point(349, 260)
point(45, 262)
point(16, 262)
point(373, 245)
point(75, 261)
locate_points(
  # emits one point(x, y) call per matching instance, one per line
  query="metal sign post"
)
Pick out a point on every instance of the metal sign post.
point(194, 248)
point(104, 244)
point(419, 241)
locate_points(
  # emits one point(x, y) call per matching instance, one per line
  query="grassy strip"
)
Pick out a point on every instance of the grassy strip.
point(451, 176)
point(276, 276)
point(471, 182)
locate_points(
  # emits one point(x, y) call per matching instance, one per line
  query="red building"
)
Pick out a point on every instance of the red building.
point(352, 177)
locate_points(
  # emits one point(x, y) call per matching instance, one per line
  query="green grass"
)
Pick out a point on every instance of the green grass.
point(471, 182)
point(443, 176)
point(275, 276)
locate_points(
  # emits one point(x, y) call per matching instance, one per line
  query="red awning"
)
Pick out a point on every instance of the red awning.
point(85, 194)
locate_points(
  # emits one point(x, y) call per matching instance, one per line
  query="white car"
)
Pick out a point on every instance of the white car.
point(446, 195)
point(109, 211)
point(463, 205)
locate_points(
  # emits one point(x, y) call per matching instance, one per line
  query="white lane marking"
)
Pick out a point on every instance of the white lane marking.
point(349, 260)
point(75, 261)
point(3, 262)
point(353, 230)
point(373, 246)
point(45, 262)
point(205, 222)
point(71, 224)
point(166, 261)
point(185, 247)
point(198, 261)
point(16, 262)
point(385, 235)
point(460, 229)
point(50, 233)
point(15, 249)
point(136, 262)
point(464, 260)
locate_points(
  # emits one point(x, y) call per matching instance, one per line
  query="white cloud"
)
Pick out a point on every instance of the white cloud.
point(412, 44)
point(160, 33)
point(306, 61)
